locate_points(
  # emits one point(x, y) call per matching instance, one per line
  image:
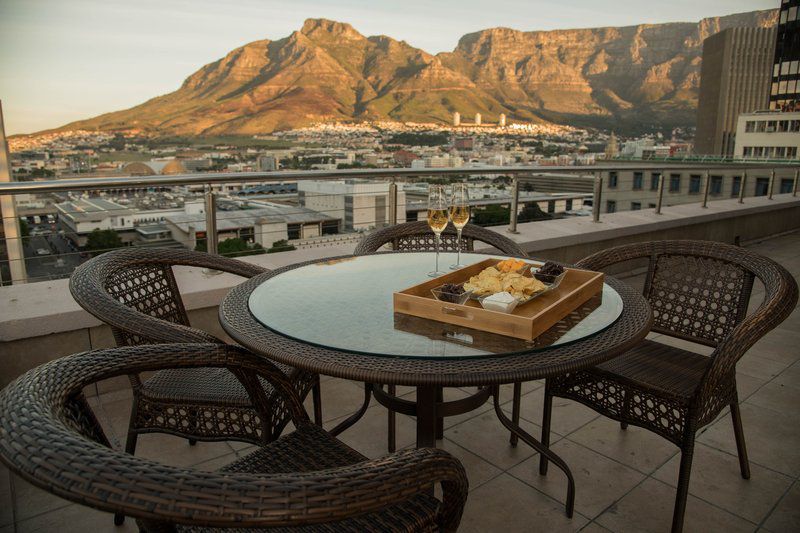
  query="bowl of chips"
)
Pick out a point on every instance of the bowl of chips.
point(492, 280)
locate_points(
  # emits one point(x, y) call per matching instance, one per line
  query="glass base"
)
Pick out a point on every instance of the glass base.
point(436, 274)
point(456, 267)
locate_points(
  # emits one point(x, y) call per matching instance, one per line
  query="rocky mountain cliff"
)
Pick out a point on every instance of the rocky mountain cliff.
point(627, 78)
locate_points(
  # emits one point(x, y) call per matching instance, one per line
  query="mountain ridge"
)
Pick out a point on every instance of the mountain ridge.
point(629, 77)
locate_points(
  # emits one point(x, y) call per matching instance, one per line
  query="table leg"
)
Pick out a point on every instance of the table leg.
point(355, 417)
point(439, 419)
point(426, 416)
point(538, 446)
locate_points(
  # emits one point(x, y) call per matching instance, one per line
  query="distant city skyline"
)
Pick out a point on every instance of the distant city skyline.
point(64, 61)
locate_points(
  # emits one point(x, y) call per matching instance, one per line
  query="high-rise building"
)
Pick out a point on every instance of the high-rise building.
point(456, 119)
point(734, 79)
point(477, 119)
point(502, 122)
point(785, 88)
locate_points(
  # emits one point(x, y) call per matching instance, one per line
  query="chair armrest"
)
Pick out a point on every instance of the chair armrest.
point(38, 442)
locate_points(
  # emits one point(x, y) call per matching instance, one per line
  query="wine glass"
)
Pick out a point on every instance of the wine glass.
point(438, 217)
point(459, 214)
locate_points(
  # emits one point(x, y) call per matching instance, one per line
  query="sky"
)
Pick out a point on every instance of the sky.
point(64, 60)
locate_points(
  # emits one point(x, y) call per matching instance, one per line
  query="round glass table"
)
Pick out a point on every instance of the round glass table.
point(335, 317)
point(346, 304)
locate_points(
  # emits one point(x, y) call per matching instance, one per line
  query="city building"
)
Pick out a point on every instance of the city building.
point(267, 163)
point(465, 144)
point(362, 204)
point(785, 89)
point(734, 79)
point(768, 135)
point(477, 119)
point(154, 167)
point(456, 119)
point(264, 225)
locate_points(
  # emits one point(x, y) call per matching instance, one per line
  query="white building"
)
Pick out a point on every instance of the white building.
point(768, 135)
point(360, 203)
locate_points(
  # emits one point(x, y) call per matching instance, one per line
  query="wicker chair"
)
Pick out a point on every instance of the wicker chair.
point(699, 292)
point(50, 437)
point(418, 237)
point(135, 292)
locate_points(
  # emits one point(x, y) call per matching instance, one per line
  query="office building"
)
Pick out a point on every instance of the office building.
point(361, 204)
point(785, 88)
point(734, 79)
point(768, 135)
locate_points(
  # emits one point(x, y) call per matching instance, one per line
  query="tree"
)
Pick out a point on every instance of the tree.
point(532, 212)
point(492, 215)
point(280, 246)
point(234, 247)
point(102, 240)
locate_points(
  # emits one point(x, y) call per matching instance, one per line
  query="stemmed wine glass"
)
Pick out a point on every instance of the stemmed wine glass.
point(438, 217)
point(459, 214)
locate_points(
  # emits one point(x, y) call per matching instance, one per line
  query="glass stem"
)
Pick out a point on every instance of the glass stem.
point(458, 246)
point(438, 238)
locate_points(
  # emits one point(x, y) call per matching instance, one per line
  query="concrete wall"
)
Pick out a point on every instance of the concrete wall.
point(40, 321)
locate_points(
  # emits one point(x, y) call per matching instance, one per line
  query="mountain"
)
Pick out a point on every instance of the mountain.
point(625, 78)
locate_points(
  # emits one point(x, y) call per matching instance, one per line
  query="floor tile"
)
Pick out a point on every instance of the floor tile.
point(777, 396)
point(594, 527)
point(75, 519)
point(508, 504)
point(478, 470)
point(567, 415)
point(486, 437)
point(786, 515)
point(340, 397)
point(636, 447)
point(760, 367)
point(648, 508)
point(370, 434)
point(772, 438)
point(599, 481)
point(716, 478)
point(30, 501)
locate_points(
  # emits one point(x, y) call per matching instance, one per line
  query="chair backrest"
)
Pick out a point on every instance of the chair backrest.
point(134, 291)
point(151, 290)
point(418, 237)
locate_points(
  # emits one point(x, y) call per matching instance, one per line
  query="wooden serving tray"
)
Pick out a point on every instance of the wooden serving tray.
point(527, 321)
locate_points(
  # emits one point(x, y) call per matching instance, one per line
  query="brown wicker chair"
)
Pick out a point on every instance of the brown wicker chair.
point(699, 292)
point(50, 437)
point(418, 237)
point(135, 292)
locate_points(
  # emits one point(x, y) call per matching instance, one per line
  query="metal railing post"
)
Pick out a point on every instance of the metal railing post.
point(512, 222)
point(742, 184)
point(8, 210)
point(597, 196)
point(796, 179)
point(706, 186)
point(771, 184)
point(211, 221)
point(660, 198)
point(392, 203)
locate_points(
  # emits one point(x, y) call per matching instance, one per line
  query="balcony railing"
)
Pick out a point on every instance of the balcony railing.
point(595, 177)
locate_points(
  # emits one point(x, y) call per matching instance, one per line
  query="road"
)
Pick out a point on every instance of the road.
point(59, 263)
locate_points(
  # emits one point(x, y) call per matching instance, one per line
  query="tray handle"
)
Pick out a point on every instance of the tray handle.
point(454, 311)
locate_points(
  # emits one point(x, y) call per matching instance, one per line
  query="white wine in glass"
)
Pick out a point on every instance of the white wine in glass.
point(438, 217)
point(459, 214)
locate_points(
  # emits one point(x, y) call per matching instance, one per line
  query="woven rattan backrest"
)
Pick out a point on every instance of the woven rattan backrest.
point(150, 289)
point(426, 242)
point(418, 237)
point(697, 298)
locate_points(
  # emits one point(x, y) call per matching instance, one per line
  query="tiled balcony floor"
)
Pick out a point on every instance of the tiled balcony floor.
point(625, 480)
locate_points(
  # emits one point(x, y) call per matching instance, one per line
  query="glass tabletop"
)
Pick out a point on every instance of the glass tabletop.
point(346, 304)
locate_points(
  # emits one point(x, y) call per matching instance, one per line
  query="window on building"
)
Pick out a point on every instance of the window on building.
point(293, 231)
point(761, 126)
point(787, 184)
point(794, 125)
point(783, 125)
point(651, 206)
point(612, 180)
point(791, 152)
point(551, 206)
point(569, 205)
point(654, 180)
point(636, 206)
point(747, 152)
point(758, 151)
point(611, 206)
point(750, 126)
point(715, 187)
point(772, 126)
point(638, 179)
point(694, 183)
point(736, 185)
point(674, 183)
point(762, 186)
point(780, 152)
